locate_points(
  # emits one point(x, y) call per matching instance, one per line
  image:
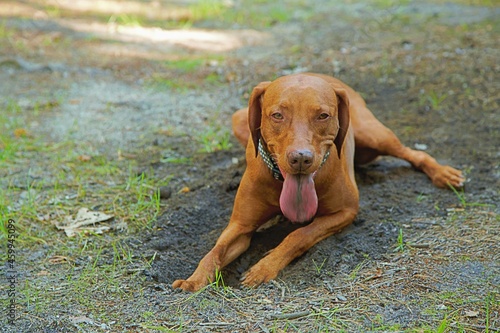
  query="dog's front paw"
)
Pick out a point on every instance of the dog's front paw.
point(187, 285)
point(447, 176)
point(257, 275)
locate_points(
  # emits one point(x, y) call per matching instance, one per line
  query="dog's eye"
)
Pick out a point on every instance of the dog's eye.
point(277, 116)
point(323, 116)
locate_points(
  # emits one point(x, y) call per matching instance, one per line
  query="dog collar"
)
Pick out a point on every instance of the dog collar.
point(271, 164)
point(269, 160)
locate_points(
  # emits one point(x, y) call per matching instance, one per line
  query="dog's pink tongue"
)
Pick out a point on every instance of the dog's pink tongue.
point(298, 200)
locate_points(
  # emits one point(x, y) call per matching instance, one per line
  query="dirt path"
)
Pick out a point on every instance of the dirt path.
point(100, 109)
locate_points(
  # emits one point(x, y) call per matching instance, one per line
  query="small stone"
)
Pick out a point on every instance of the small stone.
point(165, 192)
point(420, 146)
point(441, 307)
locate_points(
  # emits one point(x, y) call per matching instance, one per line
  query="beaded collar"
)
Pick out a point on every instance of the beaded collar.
point(269, 160)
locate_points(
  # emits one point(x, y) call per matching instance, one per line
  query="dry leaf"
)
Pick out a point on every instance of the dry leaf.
point(83, 221)
point(184, 190)
point(471, 313)
point(58, 259)
point(122, 155)
point(81, 320)
point(84, 158)
point(20, 132)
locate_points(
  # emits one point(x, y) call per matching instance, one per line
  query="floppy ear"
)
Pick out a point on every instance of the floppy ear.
point(255, 113)
point(343, 115)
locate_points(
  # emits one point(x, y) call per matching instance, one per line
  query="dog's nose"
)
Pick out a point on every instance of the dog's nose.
point(300, 160)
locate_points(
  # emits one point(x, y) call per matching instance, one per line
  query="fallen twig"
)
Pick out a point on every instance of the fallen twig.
point(289, 316)
point(216, 324)
point(420, 246)
point(279, 286)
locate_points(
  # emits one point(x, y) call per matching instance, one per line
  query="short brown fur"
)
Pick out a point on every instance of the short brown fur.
point(351, 134)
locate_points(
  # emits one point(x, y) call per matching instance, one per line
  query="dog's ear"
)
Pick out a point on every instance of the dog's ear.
point(255, 113)
point(343, 115)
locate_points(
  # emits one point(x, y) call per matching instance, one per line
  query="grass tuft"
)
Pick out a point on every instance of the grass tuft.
point(400, 247)
point(214, 138)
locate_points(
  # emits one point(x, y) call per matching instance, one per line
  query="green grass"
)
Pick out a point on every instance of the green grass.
point(147, 206)
point(491, 304)
point(208, 9)
point(383, 4)
point(487, 3)
point(65, 179)
point(98, 270)
point(5, 33)
point(261, 16)
point(443, 326)
point(433, 100)
point(355, 272)
point(262, 13)
point(460, 194)
point(187, 73)
point(160, 82)
point(125, 20)
point(174, 157)
point(436, 100)
point(10, 121)
point(421, 197)
point(400, 247)
point(319, 267)
point(454, 317)
point(53, 11)
point(214, 138)
point(213, 79)
point(249, 13)
point(169, 82)
point(186, 65)
point(386, 4)
point(218, 283)
point(105, 277)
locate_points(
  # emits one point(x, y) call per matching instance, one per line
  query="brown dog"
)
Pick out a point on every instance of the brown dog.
point(300, 162)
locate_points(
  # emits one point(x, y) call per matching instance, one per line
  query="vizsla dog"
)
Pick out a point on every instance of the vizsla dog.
point(303, 133)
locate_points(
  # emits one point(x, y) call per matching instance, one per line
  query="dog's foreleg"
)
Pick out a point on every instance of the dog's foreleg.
point(295, 244)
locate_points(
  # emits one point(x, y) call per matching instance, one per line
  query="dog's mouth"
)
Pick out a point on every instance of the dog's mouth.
point(298, 199)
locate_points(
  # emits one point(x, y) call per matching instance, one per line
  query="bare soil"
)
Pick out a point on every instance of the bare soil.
point(428, 70)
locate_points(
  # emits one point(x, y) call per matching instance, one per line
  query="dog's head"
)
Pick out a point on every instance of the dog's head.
point(298, 112)
point(299, 118)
